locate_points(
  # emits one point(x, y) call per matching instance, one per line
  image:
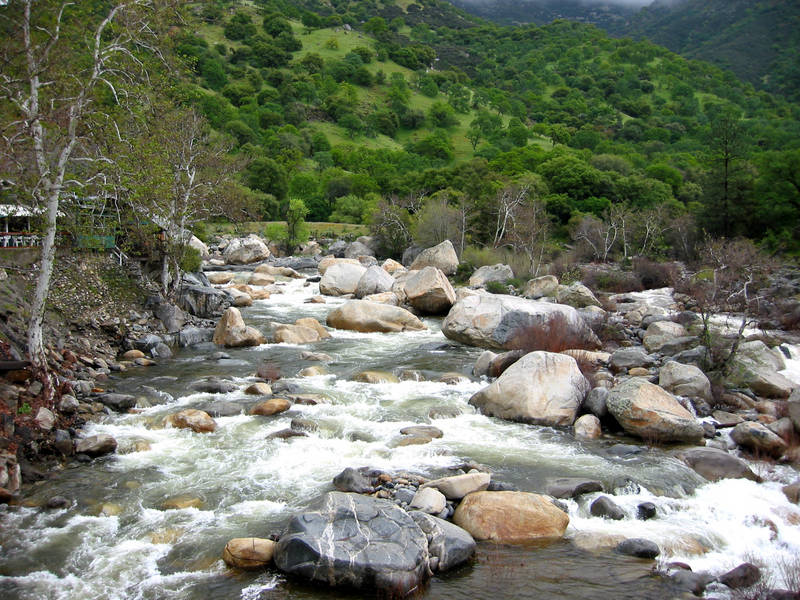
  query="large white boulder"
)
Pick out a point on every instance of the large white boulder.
point(341, 279)
point(487, 273)
point(375, 280)
point(366, 316)
point(497, 321)
point(541, 387)
point(443, 257)
point(243, 251)
point(429, 291)
point(232, 332)
point(684, 380)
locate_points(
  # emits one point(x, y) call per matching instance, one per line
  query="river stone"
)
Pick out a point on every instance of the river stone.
point(375, 280)
point(448, 544)
point(684, 380)
point(375, 377)
point(756, 366)
point(197, 420)
point(248, 553)
point(118, 402)
point(539, 287)
point(429, 500)
point(370, 317)
point(243, 251)
point(650, 412)
point(260, 279)
point(223, 408)
point(213, 386)
point(312, 323)
point(756, 438)
point(605, 507)
point(587, 427)
point(190, 336)
point(792, 492)
point(221, 277)
point(68, 405)
point(458, 486)
point(232, 332)
point(496, 321)
point(639, 547)
point(270, 407)
point(595, 402)
point(341, 279)
point(132, 355)
point(510, 517)
point(715, 464)
point(501, 362)
point(542, 388)
point(572, 487)
point(356, 541)
point(661, 333)
point(286, 434)
point(487, 273)
point(577, 295)
point(96, 445)
point(354, 480)
point(427, 430)
point(295, 335)
point(442, 256)
point(276, 271)
point(645, 511)
point(627, 358)
point(743, 576)
point(258, 388)
point(483, 363)
point(429, 291)
point(45, 418)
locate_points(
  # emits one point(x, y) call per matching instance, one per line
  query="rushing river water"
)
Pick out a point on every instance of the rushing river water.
point(118, 541)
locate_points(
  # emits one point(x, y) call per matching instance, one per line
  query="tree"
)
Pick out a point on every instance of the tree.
point(266, 175)
point(437, 221)
point(188, 178)
point(56, 58)
point(529, 230)
point(296, 228)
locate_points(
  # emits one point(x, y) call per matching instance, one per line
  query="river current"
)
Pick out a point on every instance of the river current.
point(120, 538)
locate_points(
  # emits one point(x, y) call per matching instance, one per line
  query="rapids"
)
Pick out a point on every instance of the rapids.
point(117, 540)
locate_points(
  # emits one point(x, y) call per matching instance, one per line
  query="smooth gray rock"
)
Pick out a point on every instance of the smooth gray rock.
point(572, 487)
point(627, 358)
point(355, 541)
point(638, 547)
point(213, 386)
point(442, 256)
point(353, 480)
point(190, 336)
point(356, 249)
point(374, 281)
point(448, 544)
point(118, 402)
point(429, 500)
point(595, 402)
point(605, 507)
point(487, 273)
point(171, 316)
point(715, 464)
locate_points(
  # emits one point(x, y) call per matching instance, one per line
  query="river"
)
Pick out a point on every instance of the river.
point(117, 540)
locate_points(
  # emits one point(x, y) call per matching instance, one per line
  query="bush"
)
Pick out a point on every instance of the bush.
point(655, 275)
point(496, 287)
point(191, 260)
point(556, 335)
point(617, 282)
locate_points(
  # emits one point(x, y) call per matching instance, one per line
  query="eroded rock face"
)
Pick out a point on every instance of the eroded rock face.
point(430, 292)
point(495, 320)
point(355, 541)
point(448, 544)
point(366, 316)
point(510, 517)
point(442, 256)
point(541, 387)
point(650, 412)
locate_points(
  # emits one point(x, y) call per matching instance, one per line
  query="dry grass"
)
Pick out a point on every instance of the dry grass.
point(555, 335)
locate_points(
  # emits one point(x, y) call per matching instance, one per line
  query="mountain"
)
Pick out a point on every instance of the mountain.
point(603, 14)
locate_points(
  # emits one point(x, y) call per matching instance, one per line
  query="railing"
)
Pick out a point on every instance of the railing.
point(19, 239)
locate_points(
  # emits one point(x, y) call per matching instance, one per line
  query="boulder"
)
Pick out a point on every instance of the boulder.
point(539, 287)
point(587, 427)
point(276, 271)
point(221, 277)
point(118, 402)
point(366, 316)
point(628, 358)
point(232, 332)
point(356, 249)
point(243, 251)
point(260, 279)
point(605, 507)
point(756, 366)
point(661, 333)
point(341, 279)
point(448, 544)
point(354, 480)
point(756, 438)
point(458, 486)
point(240, 297)
point(429, 291)
point(270, 407)
point(510, 517)
point(198, 244)
point(572, 487)
point(652, 413)
point(743, 576)
point(190, 336)
point(443, 257)
point(295, 334)
point(203, 301)
point(172, 317)
point(684, 380)
point(715, 464)
point(638, 547)
point(487, 273)
point(327, 262)
point(428, 500)
point(358, 542)
point(497, 321)
point(213, 385)
point(392, 266)
point(483, 364)
point(502, 361)
point(542, 388)
point(375, 280)
point(577, 295)
point(595, 402)
point(96, 445)
point(197, 420)
point(248, 553)
point(375, 377)
point(426, 430)
point(68, 405)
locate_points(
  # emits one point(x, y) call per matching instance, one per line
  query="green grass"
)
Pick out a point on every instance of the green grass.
point(315, 41)
point(317, 229)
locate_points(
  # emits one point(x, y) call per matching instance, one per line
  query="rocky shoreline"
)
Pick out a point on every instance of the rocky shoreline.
point(556, 355)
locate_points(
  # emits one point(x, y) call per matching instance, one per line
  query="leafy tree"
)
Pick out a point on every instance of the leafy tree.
point(266, 175)
point(296, 227)
point(442, 115)
point(240, 27)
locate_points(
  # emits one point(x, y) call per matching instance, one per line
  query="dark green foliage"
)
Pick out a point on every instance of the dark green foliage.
point(240, 27)
point(266, 175)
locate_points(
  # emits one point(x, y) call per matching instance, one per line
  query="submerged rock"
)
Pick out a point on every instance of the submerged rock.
point(248, 553)
point(355, 541)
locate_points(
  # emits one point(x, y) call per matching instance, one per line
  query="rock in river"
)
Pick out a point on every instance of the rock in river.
point(366, 317)
point(355, 541)
point(248, 553)
point(232, 332)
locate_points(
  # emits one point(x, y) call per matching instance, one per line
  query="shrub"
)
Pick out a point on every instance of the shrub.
point(655, 275)
point(555, 335)
point(496, 287)
point(617, 282)
point(191, 260)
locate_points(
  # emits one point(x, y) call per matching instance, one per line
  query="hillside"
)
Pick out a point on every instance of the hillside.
point(758, 41)
point(542, 12)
